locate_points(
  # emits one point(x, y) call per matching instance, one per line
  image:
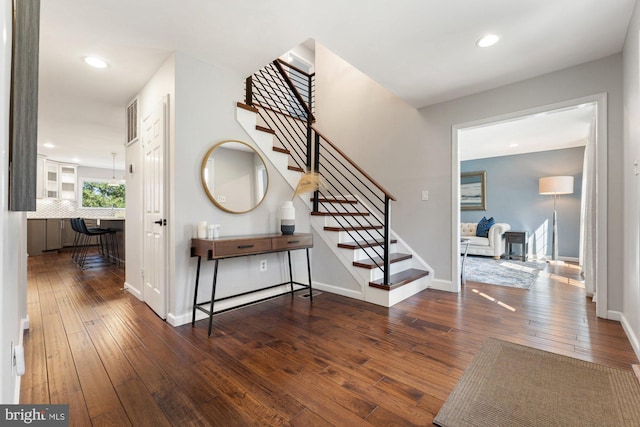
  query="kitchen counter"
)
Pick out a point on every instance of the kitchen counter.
point(48, 234)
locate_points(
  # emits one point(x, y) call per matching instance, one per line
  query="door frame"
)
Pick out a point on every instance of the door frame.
point(601, 141)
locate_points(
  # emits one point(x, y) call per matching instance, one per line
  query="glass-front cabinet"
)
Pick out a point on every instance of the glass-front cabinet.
point(56, 180)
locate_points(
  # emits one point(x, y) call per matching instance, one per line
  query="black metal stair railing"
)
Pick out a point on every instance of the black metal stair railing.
point(286, 98)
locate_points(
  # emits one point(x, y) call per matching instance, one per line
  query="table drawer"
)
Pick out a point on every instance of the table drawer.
point(240, 247)
point(515, 238)
point(292, 242)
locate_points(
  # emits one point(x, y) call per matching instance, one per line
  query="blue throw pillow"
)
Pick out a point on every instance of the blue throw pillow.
point(483, 226)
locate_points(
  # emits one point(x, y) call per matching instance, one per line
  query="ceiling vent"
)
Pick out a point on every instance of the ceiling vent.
point(132, 121)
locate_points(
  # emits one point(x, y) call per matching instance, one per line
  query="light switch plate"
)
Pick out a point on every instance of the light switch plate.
point(425, 195)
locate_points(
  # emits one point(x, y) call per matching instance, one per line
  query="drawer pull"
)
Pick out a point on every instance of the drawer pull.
point(293, 242)
point(245, 246)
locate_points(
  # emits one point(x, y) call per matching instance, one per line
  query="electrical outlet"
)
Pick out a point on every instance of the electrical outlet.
point(221, 199)
point(263, 265)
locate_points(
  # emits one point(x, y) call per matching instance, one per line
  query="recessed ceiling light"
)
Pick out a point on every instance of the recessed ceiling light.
point(75, 160)
point(95, 62)
point(48, 145)
point(515, 144)
point(488, 40)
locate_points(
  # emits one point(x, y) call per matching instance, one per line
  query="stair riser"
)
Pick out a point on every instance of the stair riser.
point(370, 253)
point(344, 237)
point(337, 207)
point(348, 221)
point(396, 267)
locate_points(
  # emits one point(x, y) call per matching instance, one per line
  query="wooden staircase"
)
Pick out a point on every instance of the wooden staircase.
point(339, 227)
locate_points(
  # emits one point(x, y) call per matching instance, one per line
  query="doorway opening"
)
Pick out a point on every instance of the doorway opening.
point(592, 184)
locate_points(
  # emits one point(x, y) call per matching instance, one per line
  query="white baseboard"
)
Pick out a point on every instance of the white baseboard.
point(24, 325)
point(349, 293)
point(443, 285)
point(183, 319)
point(135, 292)
point(634, 338)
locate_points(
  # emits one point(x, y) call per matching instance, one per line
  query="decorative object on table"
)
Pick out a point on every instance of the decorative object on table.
point(288, 218)
point(473, 190)
point(309, 182)
point(202, 230)
point(555, 185)
point(509, 385)
point(515, 274)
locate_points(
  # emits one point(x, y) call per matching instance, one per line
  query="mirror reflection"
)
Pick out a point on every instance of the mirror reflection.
point(234, 176)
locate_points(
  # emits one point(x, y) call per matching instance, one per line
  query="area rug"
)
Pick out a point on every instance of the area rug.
point(512, 385)
point(517, 274)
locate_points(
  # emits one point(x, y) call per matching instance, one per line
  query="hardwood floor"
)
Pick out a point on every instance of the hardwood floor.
point(337, 361)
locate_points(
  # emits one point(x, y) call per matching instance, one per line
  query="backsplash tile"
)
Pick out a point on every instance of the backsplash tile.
point(48, 208)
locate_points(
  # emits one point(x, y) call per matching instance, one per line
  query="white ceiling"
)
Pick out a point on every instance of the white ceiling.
point(422, 50)
point(551, 130)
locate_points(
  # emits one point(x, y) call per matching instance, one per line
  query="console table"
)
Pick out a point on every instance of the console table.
point(238, 246)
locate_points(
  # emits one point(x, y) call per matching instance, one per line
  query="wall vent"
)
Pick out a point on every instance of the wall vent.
point(132, 121)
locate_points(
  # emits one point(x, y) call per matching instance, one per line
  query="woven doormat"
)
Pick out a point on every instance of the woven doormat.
point(512, 385)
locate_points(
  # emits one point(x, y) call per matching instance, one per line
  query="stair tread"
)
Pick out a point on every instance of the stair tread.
point(323, 200)
point(295, 168)
point(368, 227)
point(340, 213)
point(281, 150)
point(265, 129)
point(370, 263)
point(363, 243)
point(399, 279)
point(247, 107)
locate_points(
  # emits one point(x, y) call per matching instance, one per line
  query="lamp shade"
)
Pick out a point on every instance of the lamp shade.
point(555, 185)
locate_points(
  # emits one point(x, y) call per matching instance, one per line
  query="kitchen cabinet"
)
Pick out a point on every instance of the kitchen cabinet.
point(68, 181)
point(54, 234)
point(51, 179)
point(56, 180)
point(67, 234)
point(40, 171)
point(46, 235)
point(36, 236)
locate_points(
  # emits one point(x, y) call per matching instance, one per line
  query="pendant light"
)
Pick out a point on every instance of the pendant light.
point(113, 182)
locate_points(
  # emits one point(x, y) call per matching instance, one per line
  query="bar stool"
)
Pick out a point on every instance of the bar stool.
point(87, 235)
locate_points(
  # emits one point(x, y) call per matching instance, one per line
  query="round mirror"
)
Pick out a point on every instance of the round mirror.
point(234, 176)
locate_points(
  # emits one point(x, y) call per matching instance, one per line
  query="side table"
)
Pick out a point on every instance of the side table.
point(516, 238)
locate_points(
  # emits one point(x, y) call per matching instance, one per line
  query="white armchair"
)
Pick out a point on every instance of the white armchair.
point(493, 245)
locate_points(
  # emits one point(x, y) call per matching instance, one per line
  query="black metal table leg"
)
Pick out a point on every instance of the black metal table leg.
point(290, 273)
point(309, 272)
point(195, 293)
point(213, 294)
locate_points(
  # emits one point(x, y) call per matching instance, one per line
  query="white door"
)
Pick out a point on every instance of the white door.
point(154, 247)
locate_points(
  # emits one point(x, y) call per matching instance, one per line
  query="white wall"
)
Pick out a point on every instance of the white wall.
point(411, 150)
point(13, 282)
point(202, 113)
point(631, 278)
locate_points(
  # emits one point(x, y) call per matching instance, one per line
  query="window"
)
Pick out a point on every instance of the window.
point(102, 194)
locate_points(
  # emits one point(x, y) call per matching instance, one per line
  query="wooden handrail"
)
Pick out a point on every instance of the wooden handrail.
point(358, 168)
point(294, 67)
point(307, 109)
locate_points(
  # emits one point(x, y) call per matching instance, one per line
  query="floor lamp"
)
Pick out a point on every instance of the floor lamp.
point(555, 185)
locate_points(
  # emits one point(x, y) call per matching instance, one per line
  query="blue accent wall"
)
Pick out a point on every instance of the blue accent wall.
point(512, 197)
